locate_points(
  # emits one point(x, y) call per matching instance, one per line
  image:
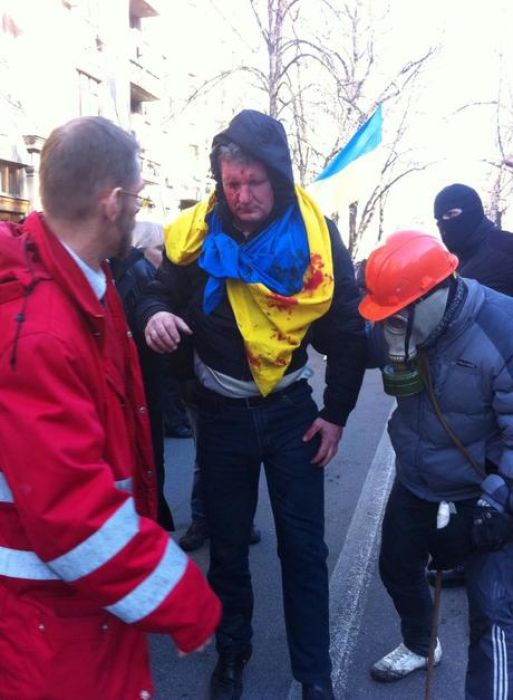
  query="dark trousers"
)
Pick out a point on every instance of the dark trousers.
point(403, 558)
point(233, 441)
point(407, 526)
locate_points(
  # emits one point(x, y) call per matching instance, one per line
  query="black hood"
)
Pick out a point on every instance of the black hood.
point(263, 138)
point(461, 232)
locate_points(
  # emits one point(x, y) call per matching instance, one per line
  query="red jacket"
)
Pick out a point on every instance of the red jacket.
point(84, 569)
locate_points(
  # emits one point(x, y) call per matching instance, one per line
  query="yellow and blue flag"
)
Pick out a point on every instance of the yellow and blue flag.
point(353, 171)
point(274, 319)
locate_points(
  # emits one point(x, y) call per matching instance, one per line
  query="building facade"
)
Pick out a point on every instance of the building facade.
point(61, 59)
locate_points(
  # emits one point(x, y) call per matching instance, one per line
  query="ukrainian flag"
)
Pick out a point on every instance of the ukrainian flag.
point(353, 171)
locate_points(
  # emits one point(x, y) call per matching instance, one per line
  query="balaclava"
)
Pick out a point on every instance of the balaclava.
point(457, 231)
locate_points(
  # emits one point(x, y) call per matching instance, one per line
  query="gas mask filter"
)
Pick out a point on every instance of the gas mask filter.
point(404, 333)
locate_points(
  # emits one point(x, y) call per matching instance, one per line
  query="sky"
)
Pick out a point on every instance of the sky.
point(465, 70)
point(202, 36)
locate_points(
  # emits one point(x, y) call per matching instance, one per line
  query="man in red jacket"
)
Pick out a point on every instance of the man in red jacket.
point(85, 571)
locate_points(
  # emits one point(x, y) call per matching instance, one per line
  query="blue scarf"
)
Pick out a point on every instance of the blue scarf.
point(277, 258)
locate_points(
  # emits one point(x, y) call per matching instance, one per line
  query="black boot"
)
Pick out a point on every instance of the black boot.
point(322, 690)
point(195, 536)
point(226, 681)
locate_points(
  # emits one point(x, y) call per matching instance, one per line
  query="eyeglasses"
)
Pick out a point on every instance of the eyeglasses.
point(140, 202)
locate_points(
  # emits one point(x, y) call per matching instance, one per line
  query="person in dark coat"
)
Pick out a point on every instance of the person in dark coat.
point(131, 275)
point(485, 253)
point(449, 346)
point(252, 277)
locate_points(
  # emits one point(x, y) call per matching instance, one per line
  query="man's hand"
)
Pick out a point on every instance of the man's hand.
point(491, 529)
point(478, 529)
point(330, 437)
point(163, 330)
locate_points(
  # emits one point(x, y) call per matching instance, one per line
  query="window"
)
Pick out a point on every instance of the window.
point(136, 105)
point(88, 95)
point(135, 22)
point(11, 178)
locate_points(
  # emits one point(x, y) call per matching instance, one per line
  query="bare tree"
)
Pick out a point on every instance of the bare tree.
point(348, 89)
point(274, 21)
point(282, 53)
point(499, 158)
point(500, 172)
point(320, 75)
point(361, 84)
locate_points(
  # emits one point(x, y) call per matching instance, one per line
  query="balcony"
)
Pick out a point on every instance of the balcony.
point(89, 56)
point(150, 171)
point(13, 208)
point(146, 68)
point(147, 136)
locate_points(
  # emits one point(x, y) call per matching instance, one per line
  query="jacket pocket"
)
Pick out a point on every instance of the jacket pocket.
point(459, 388)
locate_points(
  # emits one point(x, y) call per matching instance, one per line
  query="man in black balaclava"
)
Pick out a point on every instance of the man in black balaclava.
point(485, 252)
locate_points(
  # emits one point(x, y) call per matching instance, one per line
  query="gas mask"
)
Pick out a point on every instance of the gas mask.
point(404, 333)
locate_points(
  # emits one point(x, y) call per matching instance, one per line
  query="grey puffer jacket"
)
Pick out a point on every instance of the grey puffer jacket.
point(472, 370)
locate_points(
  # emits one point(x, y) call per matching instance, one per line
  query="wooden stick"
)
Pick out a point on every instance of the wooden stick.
point(434, 635)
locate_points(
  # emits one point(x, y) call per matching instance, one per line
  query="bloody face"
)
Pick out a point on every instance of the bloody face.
point(248, 193)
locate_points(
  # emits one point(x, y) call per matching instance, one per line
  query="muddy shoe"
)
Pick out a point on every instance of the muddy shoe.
point(400, 663)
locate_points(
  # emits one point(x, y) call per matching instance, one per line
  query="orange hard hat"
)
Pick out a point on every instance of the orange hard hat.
point(406, 267)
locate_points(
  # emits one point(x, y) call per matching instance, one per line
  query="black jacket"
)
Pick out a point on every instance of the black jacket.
point(131, 275)
point(339, 334)
point(487, 256)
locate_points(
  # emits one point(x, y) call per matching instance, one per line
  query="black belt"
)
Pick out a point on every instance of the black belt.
point(206, 397)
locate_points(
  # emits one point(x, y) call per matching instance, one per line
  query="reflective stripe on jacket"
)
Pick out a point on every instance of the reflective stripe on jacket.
point(80, 553)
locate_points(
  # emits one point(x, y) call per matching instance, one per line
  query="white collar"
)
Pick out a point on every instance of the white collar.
point(96, 279)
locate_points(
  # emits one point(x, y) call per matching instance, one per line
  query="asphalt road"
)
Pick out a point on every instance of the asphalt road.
point(363, 623)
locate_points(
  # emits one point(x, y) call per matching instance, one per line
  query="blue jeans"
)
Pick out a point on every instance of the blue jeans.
point(233, 441)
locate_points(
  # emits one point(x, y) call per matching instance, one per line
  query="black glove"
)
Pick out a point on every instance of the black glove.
point(449, 546)
point(492, 519)
point(491, 529)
